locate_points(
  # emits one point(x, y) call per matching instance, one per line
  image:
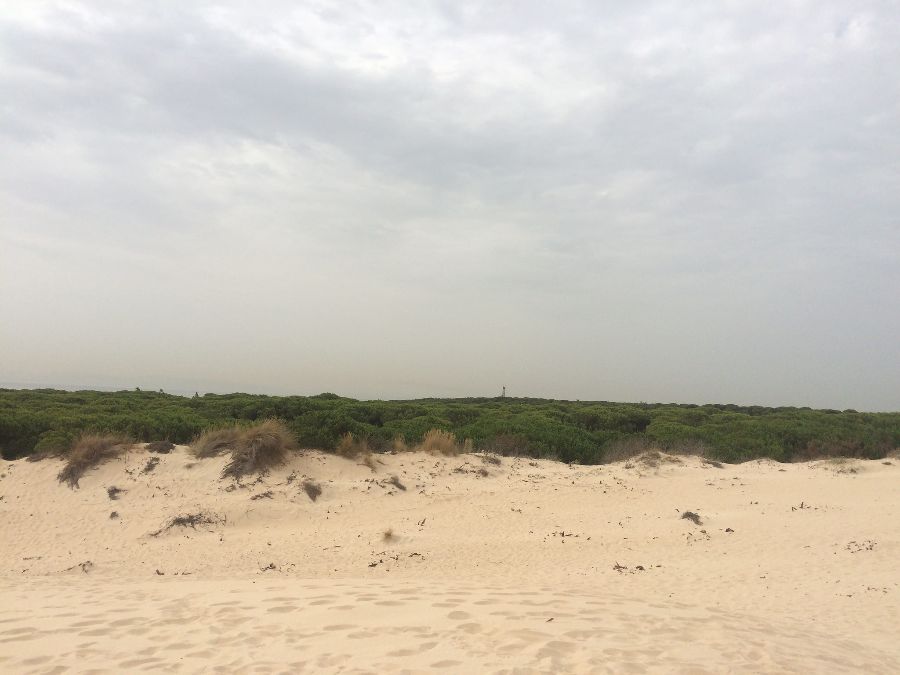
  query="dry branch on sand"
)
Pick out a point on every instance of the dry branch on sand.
point(90, 451)
point(190, 520)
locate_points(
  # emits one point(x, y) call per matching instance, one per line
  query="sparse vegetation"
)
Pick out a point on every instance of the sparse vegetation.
point(439, 442)
point(395, 481)
point(90, 451)
point(259, 448)
point(161, 447)
point(215, 442)
point(44, 423)
point(191, 520)
point(312, 489)
point(691, 516)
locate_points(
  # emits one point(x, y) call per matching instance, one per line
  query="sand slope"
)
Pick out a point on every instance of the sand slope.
point(530, 566)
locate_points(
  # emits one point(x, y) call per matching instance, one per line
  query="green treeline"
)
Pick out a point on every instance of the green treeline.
point(582, 431)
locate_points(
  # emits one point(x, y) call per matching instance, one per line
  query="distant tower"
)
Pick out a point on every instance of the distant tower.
point(503, 395)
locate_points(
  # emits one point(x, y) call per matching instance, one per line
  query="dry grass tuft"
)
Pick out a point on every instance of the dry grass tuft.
point(90, 451)
point(259, 448)
point(388, 535)
point(399, 444)
point(440, 442)
point(395, 481)
point(357, 448)
point(161, 447)
point(215, 442)
point(351, 447)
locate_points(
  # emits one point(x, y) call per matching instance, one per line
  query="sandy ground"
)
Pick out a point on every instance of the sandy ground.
point(526, 566)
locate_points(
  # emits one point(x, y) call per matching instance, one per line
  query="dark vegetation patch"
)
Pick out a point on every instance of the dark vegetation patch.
point(150, 465)
point(113, 492)
point(90, 451)
point(312, 489)
point(691, 516)
point(161, 447)
point(262, 495)
point(45, 423)
point(395, 481)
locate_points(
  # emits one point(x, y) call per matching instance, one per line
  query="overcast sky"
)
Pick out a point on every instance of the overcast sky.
point(650, 201)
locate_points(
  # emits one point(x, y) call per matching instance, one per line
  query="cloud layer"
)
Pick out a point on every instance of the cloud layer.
point(588, 200)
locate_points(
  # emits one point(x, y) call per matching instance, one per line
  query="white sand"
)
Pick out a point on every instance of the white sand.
point(478, 576)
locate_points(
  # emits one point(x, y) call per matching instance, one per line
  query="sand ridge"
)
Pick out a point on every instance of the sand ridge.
point(526, 564)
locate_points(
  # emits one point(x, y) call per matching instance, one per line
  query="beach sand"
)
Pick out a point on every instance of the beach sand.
point(459, 565)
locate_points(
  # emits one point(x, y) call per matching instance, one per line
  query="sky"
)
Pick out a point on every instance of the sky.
point(655, 201)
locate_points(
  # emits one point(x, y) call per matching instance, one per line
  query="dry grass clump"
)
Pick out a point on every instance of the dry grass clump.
point(439, 442)
point(399, 444)
point(388, 535)
point(191, 520)
point(215, 442)
point(259, 448)
point(253, 449)
point(90, 451)
point(351, 447)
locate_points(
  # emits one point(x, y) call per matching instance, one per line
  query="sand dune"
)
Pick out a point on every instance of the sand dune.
point(457, 564)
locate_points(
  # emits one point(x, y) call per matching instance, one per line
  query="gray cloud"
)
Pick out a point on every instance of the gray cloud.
point(589, 200)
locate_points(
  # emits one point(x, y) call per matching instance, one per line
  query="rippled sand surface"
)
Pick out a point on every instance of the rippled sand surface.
point(452, 565)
